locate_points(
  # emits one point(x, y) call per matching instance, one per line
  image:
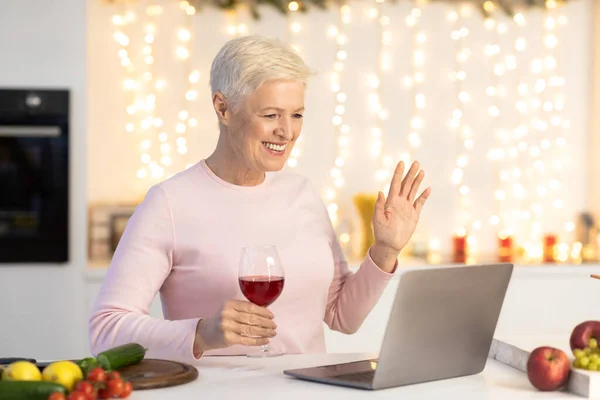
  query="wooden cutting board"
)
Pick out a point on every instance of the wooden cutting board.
point(152, 374)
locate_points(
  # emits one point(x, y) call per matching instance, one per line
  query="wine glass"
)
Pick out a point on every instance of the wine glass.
point(261, 279)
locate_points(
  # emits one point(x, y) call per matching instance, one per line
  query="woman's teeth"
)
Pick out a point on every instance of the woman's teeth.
point(274, 147)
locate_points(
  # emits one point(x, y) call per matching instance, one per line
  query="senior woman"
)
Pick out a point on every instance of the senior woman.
point(184, 239)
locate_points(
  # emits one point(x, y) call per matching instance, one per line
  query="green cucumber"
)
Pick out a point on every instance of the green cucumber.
point(30, 390)
point(121, 356)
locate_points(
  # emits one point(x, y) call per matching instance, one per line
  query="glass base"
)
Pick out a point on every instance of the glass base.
point(265, 352)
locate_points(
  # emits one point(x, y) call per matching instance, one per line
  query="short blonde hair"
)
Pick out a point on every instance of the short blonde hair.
point(245, 63)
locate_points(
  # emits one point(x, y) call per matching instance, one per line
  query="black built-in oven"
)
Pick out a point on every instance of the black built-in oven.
point(34, 176)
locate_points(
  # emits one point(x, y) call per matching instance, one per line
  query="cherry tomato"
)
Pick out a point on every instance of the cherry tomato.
point(115, 387)
point(113, 375)
point(96, 375)
point(104, 394)
point(85, 387)
point(57, 396)
point(127, 389)
point(77, 396)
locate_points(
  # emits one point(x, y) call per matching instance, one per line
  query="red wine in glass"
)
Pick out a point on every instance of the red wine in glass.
point(262, 290)
point(261, 280)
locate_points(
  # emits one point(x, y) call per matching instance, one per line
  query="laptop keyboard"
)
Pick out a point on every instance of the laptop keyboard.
point(361, 377)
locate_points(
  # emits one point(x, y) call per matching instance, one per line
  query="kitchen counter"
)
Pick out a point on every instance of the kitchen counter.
point(541, 307)
point(261, 379)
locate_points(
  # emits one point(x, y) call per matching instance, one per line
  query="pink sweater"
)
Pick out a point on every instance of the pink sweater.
point(184, 242)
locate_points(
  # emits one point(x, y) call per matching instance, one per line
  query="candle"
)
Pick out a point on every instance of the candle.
point(460, 248)
point(505, 250)
point(550, 241)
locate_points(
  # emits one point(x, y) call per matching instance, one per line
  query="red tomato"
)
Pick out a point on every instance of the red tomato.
point(85, 387)
point(96, 375)
point(77, 396)
point(113, 375)
point(57, 396)
point(115, 387)
point(104, 394)
point(127, 389)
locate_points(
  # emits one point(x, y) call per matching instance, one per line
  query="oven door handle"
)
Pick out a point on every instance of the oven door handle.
point(29, 131)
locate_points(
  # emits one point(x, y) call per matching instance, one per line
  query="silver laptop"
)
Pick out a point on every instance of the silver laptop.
point(441, 326)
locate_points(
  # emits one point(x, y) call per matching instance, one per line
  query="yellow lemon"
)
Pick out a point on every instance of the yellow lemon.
point(22, 371)
point(67, 373)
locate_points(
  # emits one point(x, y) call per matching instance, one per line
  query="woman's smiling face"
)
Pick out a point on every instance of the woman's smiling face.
point(266, 125)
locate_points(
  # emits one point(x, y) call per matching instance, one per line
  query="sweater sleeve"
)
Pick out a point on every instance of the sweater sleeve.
point(352, 296)
point(140, 265)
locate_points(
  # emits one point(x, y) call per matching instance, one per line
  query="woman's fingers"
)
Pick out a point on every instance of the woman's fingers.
point(248, 330)
point(253, 320)
point(420, 202)
point(415, 186)
point(250, 308)
point(409, 179)
point(243, 320)
point(396, 184)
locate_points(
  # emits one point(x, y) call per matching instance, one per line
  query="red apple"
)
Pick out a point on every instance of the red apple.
point(548, 368)
point(582, 333)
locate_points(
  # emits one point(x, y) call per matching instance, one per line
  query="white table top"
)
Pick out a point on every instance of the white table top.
point(261, 379)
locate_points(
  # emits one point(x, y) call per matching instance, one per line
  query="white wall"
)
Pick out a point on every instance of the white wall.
point(112, 177)
point(41, 307)
point(594, 140)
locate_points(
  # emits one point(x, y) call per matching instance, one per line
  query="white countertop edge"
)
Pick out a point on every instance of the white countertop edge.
point(96, 271)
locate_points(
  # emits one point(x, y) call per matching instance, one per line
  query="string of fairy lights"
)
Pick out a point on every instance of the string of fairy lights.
point(141, 84)
point(459, 126)
point(383, 45)
point(526, 191)
point(145, 87)
point(513, 174)
point(519, 218)
point(416, 83)
point(500, 63)
point(292, 32)
point(341, 129)
point(510, 194)
point(375, 106)
point(553, 127)
point(530, 157)
point(185, 120)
